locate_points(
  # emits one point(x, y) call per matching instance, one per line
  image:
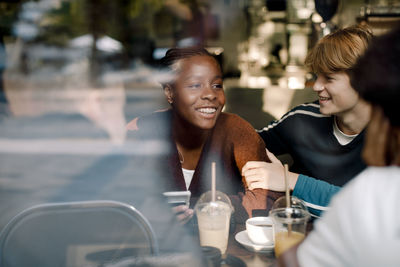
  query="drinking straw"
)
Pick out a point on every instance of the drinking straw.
point(287, 196)
point(213, 181)
point(287, 187)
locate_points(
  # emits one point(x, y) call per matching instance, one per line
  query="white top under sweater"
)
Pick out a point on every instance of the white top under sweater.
point(188, 175)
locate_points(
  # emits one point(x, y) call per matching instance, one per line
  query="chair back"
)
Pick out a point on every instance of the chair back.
point(86, 233)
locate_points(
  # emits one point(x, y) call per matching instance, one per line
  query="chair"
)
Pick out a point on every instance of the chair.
point(87, 233)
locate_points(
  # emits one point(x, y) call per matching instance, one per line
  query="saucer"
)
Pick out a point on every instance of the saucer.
point(244, 240)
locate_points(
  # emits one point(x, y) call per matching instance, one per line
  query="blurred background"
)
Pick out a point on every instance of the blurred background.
point(96, 58)
point(73, 73)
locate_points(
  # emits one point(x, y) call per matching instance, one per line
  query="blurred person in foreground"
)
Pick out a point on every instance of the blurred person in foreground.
point(362, 228)
point(324, 138)
point(199, 133)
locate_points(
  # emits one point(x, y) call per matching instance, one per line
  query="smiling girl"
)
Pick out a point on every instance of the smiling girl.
point(199, 133)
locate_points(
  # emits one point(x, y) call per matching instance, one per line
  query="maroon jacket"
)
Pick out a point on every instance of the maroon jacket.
point(232, 143)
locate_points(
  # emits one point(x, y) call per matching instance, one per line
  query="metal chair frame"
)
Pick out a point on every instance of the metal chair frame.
point(24, 217)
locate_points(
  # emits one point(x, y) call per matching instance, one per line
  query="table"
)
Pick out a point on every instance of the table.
point(252, 259)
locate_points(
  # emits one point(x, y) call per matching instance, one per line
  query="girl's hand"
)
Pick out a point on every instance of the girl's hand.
point(183, 213)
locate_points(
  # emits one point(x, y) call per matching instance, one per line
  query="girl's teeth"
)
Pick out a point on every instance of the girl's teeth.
point(207, 110)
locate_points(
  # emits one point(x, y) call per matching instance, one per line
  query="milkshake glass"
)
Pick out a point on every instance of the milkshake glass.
point(213, 219)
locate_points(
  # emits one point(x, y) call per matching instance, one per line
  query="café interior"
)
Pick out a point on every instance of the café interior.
point(74, 188)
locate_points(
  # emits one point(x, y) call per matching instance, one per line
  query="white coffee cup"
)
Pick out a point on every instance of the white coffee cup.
point(260, 230)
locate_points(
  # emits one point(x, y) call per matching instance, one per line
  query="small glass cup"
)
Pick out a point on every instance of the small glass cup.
point(289, 223)
point(213, 219)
